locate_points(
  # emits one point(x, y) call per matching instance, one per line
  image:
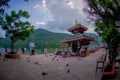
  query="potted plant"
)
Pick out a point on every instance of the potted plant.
point(105, 13)
point(111, 37)
point(15, 28)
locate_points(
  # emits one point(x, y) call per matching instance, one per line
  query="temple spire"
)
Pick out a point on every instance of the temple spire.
point(76, 22)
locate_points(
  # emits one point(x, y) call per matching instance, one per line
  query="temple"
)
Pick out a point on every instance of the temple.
point(78, 42)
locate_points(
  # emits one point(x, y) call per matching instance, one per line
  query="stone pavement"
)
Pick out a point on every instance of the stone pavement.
point(41, 67)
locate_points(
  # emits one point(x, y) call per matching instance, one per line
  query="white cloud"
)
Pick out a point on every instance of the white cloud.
point(44, 3)
point(91, 30)
point(58, 16)
point(37, 6)
point(63, 17)
point(40, 23)
point(70, 4)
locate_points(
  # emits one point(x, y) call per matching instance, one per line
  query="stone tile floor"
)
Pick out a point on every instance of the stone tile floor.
point(33, 67)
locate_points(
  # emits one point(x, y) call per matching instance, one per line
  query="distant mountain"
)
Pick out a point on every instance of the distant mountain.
point(43, 38)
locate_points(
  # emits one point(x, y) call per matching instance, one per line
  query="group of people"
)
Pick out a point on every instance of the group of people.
point(19, 50)
point(56, 50)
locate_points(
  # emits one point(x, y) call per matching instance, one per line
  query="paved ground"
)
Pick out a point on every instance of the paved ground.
point(41, 67)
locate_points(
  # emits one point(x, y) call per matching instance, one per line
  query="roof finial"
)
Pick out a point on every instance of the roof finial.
point(76, 22)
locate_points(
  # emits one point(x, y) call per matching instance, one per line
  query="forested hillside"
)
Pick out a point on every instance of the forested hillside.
point(43, 38)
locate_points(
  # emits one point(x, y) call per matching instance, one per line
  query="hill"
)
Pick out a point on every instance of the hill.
point(43, 38)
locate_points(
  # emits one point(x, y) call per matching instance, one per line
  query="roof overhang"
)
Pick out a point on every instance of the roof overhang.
point(77, 27)
point(78, 39)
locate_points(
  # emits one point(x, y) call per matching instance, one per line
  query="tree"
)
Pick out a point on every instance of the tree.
point(106, 13)
point(14, 26)
point(4, 4)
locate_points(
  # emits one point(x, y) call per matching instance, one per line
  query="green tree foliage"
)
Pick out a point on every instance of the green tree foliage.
point(14, 27)
point(106, 13)
point(3, 4)
point(104, 10)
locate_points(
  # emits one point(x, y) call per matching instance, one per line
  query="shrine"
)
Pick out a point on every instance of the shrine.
point(78, 42)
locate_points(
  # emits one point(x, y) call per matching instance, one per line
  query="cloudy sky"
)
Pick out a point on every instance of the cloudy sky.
point(53, 15)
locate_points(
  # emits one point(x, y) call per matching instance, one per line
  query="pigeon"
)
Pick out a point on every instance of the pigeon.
point(46, 55)
point(4, 59)
point(36, 62)
point(28, 61)
point(57, 59)
point(27, 58)
point(68, 71)
point(52, 58)
point(39, 63)
point(67, 65)
point(44, 73)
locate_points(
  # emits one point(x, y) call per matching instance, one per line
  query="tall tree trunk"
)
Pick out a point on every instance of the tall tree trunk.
point(12, 44)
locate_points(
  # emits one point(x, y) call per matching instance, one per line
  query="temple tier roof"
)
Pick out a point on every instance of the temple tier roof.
point(77, 37)
point(77, 26)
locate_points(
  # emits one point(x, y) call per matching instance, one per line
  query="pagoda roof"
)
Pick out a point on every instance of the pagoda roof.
point(77, 37)
point(77, 26)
